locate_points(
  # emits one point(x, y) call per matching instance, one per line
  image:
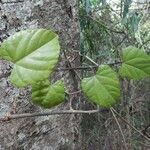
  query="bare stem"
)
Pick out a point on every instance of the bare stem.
point(92, 61)
point(47, 113)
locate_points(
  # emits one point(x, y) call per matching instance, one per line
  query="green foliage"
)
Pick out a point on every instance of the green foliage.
point(34, 54)
point(103, 88)
point(136, 64)
point(48, 96)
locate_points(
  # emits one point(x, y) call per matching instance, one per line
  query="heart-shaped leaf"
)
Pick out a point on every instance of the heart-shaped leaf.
point(46, 95)
point(103, 88)
point(136, 63)
point(34, 54)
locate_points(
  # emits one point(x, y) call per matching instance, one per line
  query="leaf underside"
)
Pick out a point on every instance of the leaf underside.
point(103, 88)
point(136, 64)
point(46, 95)
point(34, 54)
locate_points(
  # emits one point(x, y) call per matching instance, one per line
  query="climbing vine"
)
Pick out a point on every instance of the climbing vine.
point(35, 54)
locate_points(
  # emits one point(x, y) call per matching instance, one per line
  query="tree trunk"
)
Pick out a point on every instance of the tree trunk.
point(49, 132)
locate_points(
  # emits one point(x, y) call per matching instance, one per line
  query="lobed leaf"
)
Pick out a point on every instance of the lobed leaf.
point(34, 54)
point(136, 63)
point(103, 88)
point(48, 96)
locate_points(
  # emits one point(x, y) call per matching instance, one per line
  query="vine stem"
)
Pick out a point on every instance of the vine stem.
point(4, 75)
point(123, 137)
point(47, 113)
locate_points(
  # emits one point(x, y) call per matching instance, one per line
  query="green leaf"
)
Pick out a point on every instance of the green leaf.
point(34, 54)
point(103, 88)
point(46, 95)
point(136, 63)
